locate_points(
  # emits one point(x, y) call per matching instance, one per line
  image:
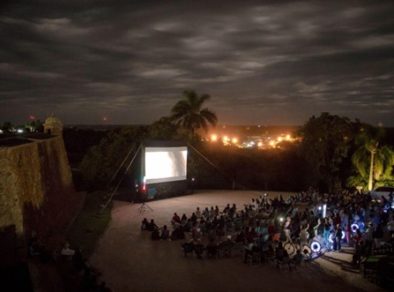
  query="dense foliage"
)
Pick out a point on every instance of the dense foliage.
point(334, 153)
point(373, 161)
point(102, 160)
point(326, 146)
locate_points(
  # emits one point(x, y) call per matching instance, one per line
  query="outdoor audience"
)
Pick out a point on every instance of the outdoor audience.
point(283, 229)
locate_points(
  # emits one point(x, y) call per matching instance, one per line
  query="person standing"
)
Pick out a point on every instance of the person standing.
point(338, 237)
point(326, 233)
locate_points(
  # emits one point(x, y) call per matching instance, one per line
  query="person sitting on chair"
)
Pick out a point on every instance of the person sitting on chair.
point(227, 246)
point(184, 219)
point(66, 251)
point(281, 255)
point(165, 233)
point(212, 249)
point(188, 247)
point(198, 212)
point(240, 237)
point(176, 219)
point(178, 233)
point(193, 218)
point(151, 226)
point(144, 224)
point(298, 258)
point(199, 249)
point(248, 251)
point(155, 234)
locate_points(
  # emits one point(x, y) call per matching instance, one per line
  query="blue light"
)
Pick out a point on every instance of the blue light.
point(315, 246)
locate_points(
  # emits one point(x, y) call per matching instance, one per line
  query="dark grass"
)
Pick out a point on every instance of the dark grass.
point(90, 223)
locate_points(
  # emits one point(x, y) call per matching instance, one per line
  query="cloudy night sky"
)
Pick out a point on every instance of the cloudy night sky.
point(262, 62)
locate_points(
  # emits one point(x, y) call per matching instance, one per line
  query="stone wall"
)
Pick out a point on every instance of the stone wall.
point(36, 189)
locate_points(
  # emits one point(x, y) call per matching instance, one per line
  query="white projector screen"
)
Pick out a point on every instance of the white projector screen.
point(165, 164)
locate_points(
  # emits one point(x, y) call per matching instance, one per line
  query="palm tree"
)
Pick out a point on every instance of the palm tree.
point(373, 161)
point(189, 114)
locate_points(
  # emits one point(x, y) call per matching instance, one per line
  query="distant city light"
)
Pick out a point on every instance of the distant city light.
point(214, 137)
point(1, 131)
point(225, 139)
point(260, 141)
point(31, 117)
point(19, 131)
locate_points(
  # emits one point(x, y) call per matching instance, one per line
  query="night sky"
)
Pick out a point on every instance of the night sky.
point(262, 62)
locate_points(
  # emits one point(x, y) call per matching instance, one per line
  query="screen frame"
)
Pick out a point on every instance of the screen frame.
point(151, 149)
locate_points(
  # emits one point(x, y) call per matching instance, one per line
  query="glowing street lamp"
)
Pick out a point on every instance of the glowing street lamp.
point(234, 140)
point(214, 137)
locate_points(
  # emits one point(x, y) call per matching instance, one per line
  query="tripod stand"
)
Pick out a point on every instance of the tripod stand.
point(144, 208)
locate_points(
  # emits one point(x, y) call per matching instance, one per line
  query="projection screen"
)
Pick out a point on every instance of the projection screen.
point(165, 164)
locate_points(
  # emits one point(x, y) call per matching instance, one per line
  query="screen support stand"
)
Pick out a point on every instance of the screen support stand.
point(144, 208)
point(120, 181)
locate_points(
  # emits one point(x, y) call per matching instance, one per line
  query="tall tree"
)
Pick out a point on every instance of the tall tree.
point(102, 160)
point(190, 114)
point(373, 161)
point(325, 146)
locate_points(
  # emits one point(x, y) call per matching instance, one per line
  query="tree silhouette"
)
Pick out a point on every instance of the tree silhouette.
point(326, 146)
point(189, 114)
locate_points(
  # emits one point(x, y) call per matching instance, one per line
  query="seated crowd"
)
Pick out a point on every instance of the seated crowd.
point(282, 230)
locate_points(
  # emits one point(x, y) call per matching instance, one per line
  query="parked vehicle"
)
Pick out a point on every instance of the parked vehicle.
point(380, 192)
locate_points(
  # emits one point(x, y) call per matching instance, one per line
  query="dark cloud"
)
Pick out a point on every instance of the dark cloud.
point(263, 62)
